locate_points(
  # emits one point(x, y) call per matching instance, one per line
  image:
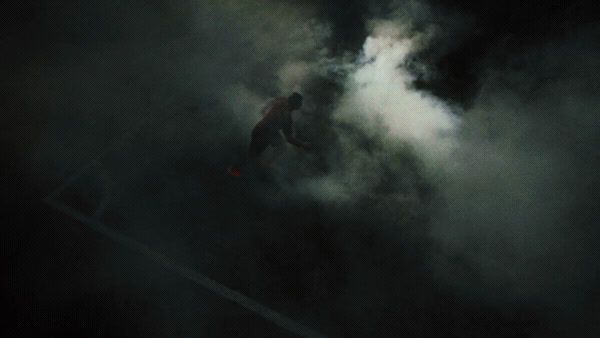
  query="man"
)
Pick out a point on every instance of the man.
point(277, 116)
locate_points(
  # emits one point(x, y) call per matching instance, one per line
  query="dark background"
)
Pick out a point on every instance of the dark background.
point(62, 280)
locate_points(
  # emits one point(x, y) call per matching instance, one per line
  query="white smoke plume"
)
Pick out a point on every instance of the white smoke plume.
point(379, 90)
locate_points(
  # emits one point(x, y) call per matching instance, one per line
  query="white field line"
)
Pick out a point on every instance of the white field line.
point(186, 272)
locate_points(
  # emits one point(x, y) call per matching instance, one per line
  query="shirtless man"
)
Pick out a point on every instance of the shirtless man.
point(276, 116)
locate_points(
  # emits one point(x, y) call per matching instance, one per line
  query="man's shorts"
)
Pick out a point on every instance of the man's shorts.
point(263, 137)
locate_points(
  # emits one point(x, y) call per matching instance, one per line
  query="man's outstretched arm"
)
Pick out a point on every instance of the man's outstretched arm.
point(292, 140)
point(289, 136)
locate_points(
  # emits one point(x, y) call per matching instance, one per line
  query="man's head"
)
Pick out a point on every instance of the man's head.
point(295, 100)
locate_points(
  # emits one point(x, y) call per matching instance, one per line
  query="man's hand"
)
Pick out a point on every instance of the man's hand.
point(307, 146)
point(294, 141)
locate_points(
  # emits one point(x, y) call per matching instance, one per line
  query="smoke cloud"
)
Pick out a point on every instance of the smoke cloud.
point(447, 190)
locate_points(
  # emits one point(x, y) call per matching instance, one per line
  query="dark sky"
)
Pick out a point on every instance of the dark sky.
point(32, 28)
point(452, 191)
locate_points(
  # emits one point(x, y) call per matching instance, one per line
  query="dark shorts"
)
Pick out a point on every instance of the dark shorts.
point(262, 138)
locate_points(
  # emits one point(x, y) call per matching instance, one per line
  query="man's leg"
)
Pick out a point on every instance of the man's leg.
point(279, 146)
point(258, 143)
